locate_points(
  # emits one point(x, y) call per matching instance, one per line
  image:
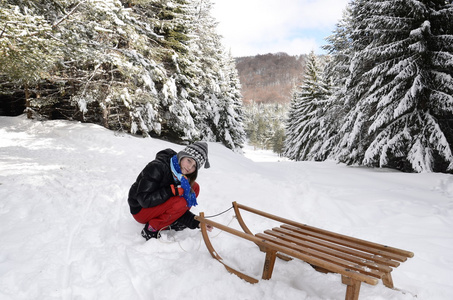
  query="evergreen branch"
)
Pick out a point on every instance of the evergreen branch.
point(3, 31)
point(67, 15)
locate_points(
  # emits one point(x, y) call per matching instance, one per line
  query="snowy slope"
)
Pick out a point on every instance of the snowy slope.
point(66, 231)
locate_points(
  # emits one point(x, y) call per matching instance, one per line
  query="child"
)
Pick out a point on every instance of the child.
point(166, 189)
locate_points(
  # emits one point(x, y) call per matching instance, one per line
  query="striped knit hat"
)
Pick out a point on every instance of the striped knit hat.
point(197, 151)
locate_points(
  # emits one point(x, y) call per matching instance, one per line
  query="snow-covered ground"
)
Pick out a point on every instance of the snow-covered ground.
point(66, 231)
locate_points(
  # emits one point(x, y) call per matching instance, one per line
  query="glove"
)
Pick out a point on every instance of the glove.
point(177, 190)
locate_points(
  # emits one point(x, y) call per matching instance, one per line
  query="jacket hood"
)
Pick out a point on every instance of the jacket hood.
point(165, 155)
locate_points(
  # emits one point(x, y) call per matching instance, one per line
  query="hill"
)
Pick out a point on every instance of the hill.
point(269, 78)
point(67, 233)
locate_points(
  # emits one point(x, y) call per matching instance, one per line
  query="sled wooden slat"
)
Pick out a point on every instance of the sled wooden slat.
point(380, 261)
point(326, 256)
point(356, 260)
point(328, 233)
point(352, 245)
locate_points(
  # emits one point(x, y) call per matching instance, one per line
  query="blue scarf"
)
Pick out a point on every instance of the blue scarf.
point(190, 196)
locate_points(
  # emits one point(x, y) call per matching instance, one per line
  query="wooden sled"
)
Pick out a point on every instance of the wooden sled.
point(354, 259)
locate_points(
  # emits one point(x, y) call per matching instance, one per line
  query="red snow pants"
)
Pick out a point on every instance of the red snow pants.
point(166, 213)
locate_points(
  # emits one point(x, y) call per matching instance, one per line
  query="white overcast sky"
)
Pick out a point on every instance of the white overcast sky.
point(251, 27)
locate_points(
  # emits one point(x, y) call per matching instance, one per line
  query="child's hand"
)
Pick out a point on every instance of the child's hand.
point(177, 190)
point(208, 227)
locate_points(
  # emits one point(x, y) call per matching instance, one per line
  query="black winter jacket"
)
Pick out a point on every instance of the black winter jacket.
point(152, 186)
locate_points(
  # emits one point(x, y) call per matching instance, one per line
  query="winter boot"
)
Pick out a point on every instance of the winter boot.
point(177, 226)
point(150, 233)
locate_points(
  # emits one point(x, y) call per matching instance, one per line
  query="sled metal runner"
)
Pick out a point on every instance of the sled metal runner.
point(356, 260)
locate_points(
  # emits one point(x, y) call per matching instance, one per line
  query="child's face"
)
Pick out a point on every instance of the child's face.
point(188, 165)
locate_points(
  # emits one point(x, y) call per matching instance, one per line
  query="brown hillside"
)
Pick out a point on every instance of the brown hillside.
point(269, 78)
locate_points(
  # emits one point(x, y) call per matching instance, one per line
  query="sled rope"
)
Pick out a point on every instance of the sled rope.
point(200, 236)
point(179, 243)
point(207, 217)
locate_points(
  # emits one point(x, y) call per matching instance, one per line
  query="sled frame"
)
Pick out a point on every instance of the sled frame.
point(356, 260)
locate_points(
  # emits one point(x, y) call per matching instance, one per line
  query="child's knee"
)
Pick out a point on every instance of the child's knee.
point(178, 204)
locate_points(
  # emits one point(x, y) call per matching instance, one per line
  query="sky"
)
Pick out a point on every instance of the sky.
point(251, 27)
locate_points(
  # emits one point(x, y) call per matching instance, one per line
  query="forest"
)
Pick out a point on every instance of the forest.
point(269, 78)
point(382, 97)
point(148, 67)
point(385, 99)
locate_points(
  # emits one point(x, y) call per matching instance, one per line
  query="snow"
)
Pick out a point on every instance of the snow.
point(66, 231)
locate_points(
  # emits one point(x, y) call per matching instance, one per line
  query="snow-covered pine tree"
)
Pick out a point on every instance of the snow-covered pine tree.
point(309, 101)
point(336, 72)
point(358, 39)
point(265, 125)
point(220, 116)
point(101, 68)
point(291, 129)
point(230, 125)
point(26, 50)
point(401, 87)
point(27, 54)
point(179, 96)
point(112, 55)
point(128, 65)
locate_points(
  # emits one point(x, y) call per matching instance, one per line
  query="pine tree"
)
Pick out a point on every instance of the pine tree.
point(399, 94)
point(230, 127)
point(336, 72)
point(291, 126)
point(27, 51)
point(340, 49)
point(265, 125)
point(149, 67)
point(175, 21)
point(220, 116)
point(99, 72)
point(309, 101)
